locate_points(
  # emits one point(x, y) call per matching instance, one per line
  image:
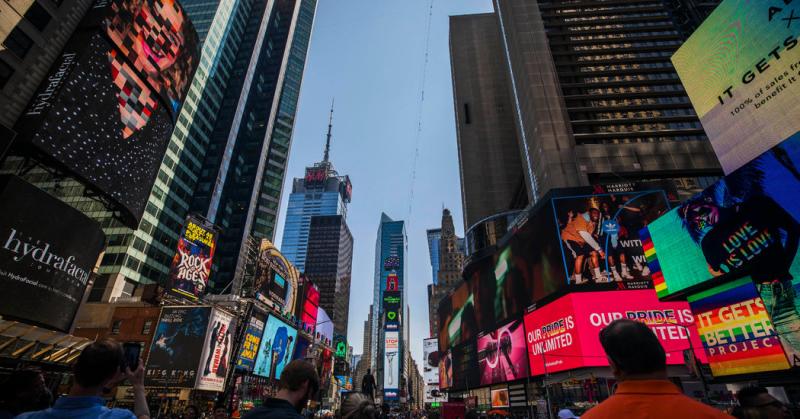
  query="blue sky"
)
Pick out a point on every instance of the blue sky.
point(369, 55)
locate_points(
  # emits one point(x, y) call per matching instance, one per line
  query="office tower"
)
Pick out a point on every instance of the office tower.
point(434, 236)
point(449, 275)
point(321, 192)
point(329, 266)
point(390, 267)
point(490, 166)
point(364, 363)
point(241, 180)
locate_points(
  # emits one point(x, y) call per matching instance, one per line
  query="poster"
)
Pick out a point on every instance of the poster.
point(500, 398)
point(503, 354)
point(740, 70)
point(177, 346)
point(216, 359)
point(430, 367)
point(737, 332)
point(277, 347)
point(246, 360)
point(191, 265)
point(391, 361)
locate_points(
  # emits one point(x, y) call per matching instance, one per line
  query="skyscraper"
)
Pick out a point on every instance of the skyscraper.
point(329, 265)
point(321, 192)
point(449, 276)
point(434, 236)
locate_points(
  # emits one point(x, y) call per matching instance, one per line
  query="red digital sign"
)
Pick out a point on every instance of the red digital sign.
point(564, 334)
point(310, 306)
point(392, 282)
point(316, 175)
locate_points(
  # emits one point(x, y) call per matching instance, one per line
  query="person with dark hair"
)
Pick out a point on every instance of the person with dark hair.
point(299, 383)
point(639, 364)
point(368, 385)
point(220, 412)
point(191, 412)
point(756, 402)
point(358, 406)
point(99, 366)
point(23, 391)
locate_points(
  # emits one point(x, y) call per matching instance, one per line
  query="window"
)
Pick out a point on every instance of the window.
point(18, 43)
point(98, 289)
point(6, 71)
point(115, 327)
point(147, 328)
point(38, 16)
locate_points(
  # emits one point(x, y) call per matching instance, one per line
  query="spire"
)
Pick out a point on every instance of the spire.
point(328, 140)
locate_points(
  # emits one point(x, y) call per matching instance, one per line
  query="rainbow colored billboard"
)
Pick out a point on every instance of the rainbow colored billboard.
point(741, 72)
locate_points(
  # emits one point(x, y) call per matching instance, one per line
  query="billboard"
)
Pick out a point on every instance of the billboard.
point(466, 371)
point(277, 348)
point(564, 334)
point(106, 110)
point(191, 265)
point(739, 69)
point(310, 306)
point(216, 359)
point(391, 361)
point(45, 260)
point(246, 360)
point(430, 368)
point(745, 224)
point(301, 348)
point(446, 370)
point(500, 398)
point(391, 263)
point(340, 346)
point(324, 325)
point(737, 332)
point(276, 279)
point(503, 354)
point(176, 348)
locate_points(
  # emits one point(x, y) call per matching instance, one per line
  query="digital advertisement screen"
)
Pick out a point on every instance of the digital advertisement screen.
point(246, 360)
point(277, 347)
point(107, 109)
point(446, 370)
point(391, 361)
point(216, 359)
point(500, 398)
point(503, 354)
point(340, 346)
point(430, 367)
point(324, 325)
point(45, 260)
point(177, 347)
point(301, 348)
point(310, 306)
point(564, 334)
point(191, 265)
point(276, 279)
point(737, 332)
point(744, 224)
point(466, 371)
point(740, 71)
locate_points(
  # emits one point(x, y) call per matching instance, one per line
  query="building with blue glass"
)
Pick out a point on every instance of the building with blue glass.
point(434, 237)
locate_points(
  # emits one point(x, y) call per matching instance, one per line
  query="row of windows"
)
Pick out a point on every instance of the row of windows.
point(636, 127)
point(621, 36)
point(627, 55)
point(590, 9)
point(630, 77)
point(628, 45)
point(648, 139)
point(627, 25)
point(613, 17)
point(644, 114)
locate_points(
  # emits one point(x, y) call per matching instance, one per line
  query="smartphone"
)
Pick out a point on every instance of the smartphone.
point(132, 353)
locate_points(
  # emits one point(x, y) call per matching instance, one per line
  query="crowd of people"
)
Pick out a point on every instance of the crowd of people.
point(636, 357)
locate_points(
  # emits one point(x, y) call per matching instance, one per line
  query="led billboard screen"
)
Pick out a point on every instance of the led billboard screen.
point(564, 334)
point(324, 325)
point(503, 354)
point(310, 306)
point(177, 347)
point(391, 361)
point(277, 348)
point(191, 265)
point(48, 250)
point(500, 398)
point(740, 71)
point(107, 109)
point(430, 368)
point(246, 360)
point(301, 348)
point(276, 279)
point(744, 224)
point(737, 332)
point(446, 370)
point(466, 371)
point(216, 359)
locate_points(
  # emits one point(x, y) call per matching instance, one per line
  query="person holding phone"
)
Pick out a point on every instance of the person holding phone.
point(99, 366)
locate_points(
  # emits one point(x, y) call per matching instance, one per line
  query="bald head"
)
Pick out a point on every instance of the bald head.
point(633, 348)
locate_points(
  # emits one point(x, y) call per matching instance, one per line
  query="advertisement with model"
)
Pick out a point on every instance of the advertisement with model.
point(191, 265)
point(45, 260)
point(177, 347)
point(216, 359)
point(108, 107)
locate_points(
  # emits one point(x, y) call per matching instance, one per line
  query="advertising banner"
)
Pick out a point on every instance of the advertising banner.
point(276, 279)
point(446, 370)
point(177, 347)
point(740, 71)
point(737, 332)
point(430, 369)
point(191, 265)
point(747, 223)
point(246, 360)
point(106, 110)
point(217, 348)
point(45, 260)
point(340, 346)
point(310, 306)
point(324, 325)
point(277, 347)
point(500, 398)
point(391, 361)
point(564, 334)
point(503, 354)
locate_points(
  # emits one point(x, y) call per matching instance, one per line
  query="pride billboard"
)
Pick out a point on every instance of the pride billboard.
point(740, 71)
point(503, 354)
point(737, 331)
point(564, 334)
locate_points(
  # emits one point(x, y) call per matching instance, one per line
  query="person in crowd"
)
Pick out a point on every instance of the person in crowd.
point(298, 384)
point(191, 412)
point(755, 401)
point(99, 366)
point(368, 385)
point(359, 406)
point(566, 414)
point(639, 364)
point(23, 391)
point(220, 412)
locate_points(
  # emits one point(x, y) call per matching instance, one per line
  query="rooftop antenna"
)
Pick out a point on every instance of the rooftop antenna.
point(328, 140)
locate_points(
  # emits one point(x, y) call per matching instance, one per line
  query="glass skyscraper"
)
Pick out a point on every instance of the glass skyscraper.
point(434, 237)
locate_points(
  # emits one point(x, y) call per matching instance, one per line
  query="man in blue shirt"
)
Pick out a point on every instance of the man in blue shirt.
point(99, 366)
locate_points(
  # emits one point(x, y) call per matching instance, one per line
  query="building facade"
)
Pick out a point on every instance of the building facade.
point(449, 275)
point(329, 265)
point(434, 236)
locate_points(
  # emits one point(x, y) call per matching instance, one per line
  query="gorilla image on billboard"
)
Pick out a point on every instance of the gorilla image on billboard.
point(108, 107)
point(177, 345)
point(600, 239)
